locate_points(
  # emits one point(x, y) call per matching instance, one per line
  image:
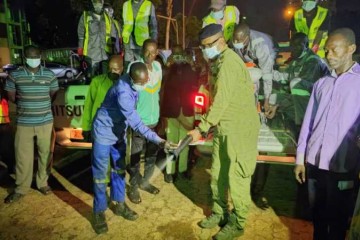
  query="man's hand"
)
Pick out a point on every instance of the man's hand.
point(266, 105)
point(87, 136)
point(272, 111)
point(300, 173)
point(195, 134)
point(168, 146)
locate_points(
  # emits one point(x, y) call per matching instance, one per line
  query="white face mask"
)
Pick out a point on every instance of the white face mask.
point(217, 15)
point(211, 53)
point(33, 62)
point(308, 5)
point(139, 87)
point(239, 46)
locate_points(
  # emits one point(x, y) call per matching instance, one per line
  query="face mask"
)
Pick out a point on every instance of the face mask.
point(211, 53)
point(113, 76)
point(98, 7)
point(110, 12)
point(139, 87)
point(239, 46)
point(308, 5)
point(33, 62)
point(217, 15)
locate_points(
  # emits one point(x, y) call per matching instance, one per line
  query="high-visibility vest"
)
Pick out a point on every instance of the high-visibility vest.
point(4, 111)
point(301, 26)
point(230, 21)
point(108, 46)
point(141, 30)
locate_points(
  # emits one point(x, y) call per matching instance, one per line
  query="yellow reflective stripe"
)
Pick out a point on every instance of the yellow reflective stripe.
point(120, 171)
point(300, 22)
point(299, 92)
point(230, 22)
point(86, 39)
point(142, 23)
point(128, 21)
point(99, 180)
point(108, 32)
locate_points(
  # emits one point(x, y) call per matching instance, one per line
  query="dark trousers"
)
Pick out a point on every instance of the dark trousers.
point(151, 149)
point(258, 180)
point(331, 197)
point(7, 152)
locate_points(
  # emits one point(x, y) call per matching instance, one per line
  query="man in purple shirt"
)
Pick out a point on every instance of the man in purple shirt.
point(327, 143)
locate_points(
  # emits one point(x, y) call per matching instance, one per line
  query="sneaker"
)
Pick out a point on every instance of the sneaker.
point(168, 178)
point(149, 188)
point(229, 232)
point(134, 195)
point(99, 224)
point(214, 220)
point(121, 209)
point(13, 197)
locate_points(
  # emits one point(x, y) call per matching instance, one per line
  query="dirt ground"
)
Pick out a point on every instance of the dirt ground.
point(172, 214)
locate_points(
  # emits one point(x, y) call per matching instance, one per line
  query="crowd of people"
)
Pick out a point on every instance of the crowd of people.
point(134, 106)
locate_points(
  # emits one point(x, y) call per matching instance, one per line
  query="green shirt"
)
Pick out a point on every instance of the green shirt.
point(99, 86)
point(232, 110)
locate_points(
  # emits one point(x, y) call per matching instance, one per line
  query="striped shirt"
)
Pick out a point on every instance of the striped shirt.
point(33, 102)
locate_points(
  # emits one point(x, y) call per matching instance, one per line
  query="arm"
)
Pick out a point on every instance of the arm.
point(224, 93)
point(10, 88)
point(310, 73)
point(306, 127)
point(88, 106)
point(126, 103)
point(153, 24)
point(266, 57)
point(81, 32)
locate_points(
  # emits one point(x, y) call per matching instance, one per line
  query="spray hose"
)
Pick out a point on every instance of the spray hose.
point(183, 143)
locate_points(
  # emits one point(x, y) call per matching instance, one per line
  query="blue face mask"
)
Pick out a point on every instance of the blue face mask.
point(211, 53)
point(238, 46)
point(217, 15)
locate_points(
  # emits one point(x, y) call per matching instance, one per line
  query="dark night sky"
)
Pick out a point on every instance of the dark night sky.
point(263, 15)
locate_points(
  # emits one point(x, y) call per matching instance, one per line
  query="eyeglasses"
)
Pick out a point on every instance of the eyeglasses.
point(209, 45)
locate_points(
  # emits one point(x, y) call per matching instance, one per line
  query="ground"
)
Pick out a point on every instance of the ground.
point(172, 214)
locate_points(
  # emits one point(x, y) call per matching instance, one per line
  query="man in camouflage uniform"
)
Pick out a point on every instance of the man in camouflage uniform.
point(235, 118)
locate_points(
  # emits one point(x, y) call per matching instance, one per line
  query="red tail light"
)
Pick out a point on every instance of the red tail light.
point(200, 100)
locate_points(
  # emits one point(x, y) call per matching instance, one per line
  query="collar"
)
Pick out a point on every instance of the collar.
point(354, 69)
point(28, 72)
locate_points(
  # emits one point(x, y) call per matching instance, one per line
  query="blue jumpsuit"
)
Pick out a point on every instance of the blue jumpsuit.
point(116, 113)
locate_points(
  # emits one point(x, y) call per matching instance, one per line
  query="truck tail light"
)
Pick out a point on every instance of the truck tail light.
point(200, 100)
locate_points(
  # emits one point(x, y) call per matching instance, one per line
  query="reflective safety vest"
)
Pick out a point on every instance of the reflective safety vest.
point(141, 30)
point(4, 111)
point(301, 26)
point(108, 46)
point(230, 21)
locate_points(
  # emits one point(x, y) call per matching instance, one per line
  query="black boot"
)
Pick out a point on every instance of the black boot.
point(99, 224)
point(134, 195)
point(121, 209)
